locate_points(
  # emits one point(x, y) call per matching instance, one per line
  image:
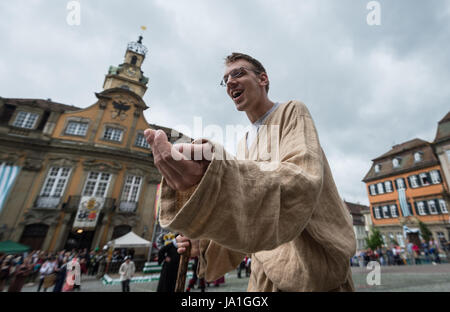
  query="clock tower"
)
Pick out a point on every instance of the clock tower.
point(129, 74)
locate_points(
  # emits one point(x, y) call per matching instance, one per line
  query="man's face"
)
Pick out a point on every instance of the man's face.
point(248, 89)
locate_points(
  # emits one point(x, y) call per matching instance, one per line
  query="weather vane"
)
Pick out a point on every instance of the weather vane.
point(144, 28)
point(138, 47)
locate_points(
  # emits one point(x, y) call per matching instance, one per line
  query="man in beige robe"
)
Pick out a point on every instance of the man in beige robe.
point(276, 200)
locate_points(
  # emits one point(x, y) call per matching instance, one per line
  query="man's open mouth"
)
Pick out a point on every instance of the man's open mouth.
point(236, 94)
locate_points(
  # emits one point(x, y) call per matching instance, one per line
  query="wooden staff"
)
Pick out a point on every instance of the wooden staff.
point(182, 270)
point(182, 198)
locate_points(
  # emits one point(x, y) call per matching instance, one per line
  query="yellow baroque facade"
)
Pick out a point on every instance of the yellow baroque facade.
point(77, 178)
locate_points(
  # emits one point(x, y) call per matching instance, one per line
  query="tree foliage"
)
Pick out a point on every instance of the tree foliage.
point(425, 231)
point(375, 239)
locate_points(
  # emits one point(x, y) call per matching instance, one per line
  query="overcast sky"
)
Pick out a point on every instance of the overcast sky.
point(367, 87)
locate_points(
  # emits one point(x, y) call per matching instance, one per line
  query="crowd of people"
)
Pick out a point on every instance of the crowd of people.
point(54, 271)
point(410, 254)
point(61, 271)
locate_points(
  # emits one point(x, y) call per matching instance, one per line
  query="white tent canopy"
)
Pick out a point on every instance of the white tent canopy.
point(130, 240)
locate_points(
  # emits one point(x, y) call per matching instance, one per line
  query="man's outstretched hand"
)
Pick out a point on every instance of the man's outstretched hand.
point(181, 165)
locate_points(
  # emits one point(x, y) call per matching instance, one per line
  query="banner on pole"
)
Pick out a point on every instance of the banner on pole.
point(8, 175)
point(157, 201)
point(403, 202)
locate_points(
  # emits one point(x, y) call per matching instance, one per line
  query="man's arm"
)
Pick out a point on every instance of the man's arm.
point(249, 206)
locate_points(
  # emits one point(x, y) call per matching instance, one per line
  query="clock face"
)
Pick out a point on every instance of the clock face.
point(131, 72)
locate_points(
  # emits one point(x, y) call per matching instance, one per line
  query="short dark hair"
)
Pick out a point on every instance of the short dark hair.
point(257, 66)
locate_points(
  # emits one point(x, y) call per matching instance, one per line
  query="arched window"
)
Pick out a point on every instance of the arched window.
point(377, 168)
point(34, 235)
point(121, 230)
point(134, 60)
point(396, 162)
point(417, 156)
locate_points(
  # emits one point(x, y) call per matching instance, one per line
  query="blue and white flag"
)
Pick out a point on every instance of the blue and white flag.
point(8, 175)
point(407, 230)
point(403, 203)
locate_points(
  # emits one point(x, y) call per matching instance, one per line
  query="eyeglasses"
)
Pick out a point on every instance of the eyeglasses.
point(235, 73)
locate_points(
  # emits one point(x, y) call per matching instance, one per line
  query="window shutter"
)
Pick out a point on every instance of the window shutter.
point(429, 178)
point(419, 180)
point(388, 211)
point(373, 211)
point(410, 209)
point(396, 211)
point(417, 209)
point(392, 187)
point(438, 207)
point(439, 175)
point(409, 181)
point(425, 205)
point(404, 182)
point(396, 185)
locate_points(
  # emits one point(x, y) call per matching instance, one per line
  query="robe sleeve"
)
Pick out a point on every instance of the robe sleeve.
point(214, 260)
point(249, 206)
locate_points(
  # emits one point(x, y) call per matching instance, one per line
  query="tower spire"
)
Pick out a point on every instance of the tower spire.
point(129, 75)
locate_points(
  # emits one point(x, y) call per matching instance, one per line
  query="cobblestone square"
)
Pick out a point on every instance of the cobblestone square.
point(410, 278)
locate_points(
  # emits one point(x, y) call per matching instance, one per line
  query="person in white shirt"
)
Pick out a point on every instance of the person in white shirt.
point(46, 269)
point(126, 272)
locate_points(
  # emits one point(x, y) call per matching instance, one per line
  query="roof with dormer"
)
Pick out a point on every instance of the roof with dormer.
point(40, 103)
point(443, 130)
point(405, 153)
point(356, 212)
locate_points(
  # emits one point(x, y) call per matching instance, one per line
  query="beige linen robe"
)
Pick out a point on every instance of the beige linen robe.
point(287, 214)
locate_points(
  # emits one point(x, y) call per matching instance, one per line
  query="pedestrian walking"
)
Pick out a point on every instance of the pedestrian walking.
point(416, 250)
point(410, 252)
point(92, 263)
point(248, 266)
point(380, 255)
point(20, 275)
point(425, 250)
point(193, 281)
point(101, 260)
point(242, 267)
point(47, 278)
point(126, 271)
point(434, 252)
point(61, 273)
point(366, 257)
point(5, 270)
point(83, 266)
point(219, 281)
